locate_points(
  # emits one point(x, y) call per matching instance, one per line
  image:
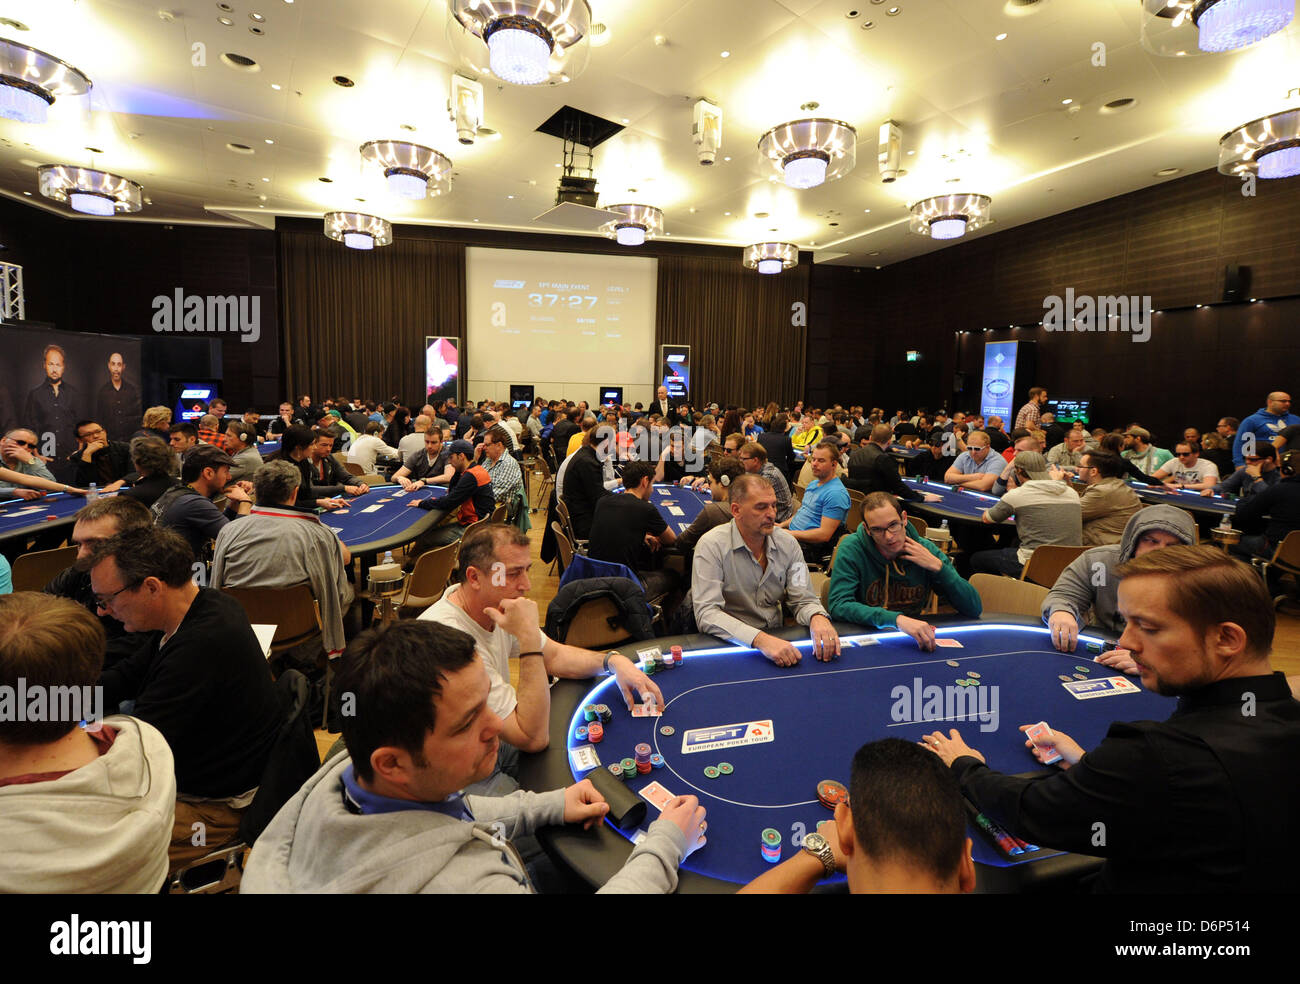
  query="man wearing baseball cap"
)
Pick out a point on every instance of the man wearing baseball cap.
point(1047, 511)
point(1146, 457)
point(469, 496)
point(189, 510)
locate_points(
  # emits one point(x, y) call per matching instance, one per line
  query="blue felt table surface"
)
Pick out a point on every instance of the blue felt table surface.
point(820, 713)
point(392, 519)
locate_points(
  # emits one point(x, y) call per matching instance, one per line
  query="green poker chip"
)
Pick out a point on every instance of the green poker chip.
point(667, 730)
point(1084, 669)
point(972, 683)
point(711, 771)
point(771, 837)
point(972, 674)
point(726, 768)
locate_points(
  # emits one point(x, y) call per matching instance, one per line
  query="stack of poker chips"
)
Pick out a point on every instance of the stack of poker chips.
point(656, 761)
point(642, 760)
point(581, 733)
point(615, 769)
point(831, 793)
point(676, 653)
point(629, 768)
point(771, 845)
point(604, 714)
point(595, 732)
point(589, 713)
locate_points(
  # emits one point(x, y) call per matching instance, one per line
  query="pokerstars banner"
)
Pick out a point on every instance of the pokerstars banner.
point(997, 391)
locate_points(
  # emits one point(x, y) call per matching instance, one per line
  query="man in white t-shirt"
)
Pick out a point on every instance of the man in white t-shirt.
point(490, 604)
point(370, 446)
point(1187, 469)
point(412, 445)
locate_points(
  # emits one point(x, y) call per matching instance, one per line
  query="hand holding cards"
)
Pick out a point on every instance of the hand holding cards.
point(1040, 740)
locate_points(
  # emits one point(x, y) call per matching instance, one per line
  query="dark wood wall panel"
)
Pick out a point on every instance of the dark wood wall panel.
point(1171, 242)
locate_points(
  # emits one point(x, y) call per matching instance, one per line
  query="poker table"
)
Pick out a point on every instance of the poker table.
point(382, 519)
point(783, 730)
point(679, 506)
point(904, 453)
point(268, 448)
point(955, 505)
point(1211, 507)
point(20, 518)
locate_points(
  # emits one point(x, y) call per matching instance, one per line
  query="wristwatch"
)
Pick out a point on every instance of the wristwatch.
point(817, 845)
point(609, 655)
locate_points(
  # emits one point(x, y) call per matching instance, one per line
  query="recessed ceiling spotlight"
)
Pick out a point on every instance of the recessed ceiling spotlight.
point(1166, 172)
point(226, 7)
point(1066, 102)
point(1118, 105)
point(269, 140)
point(256, 30)
point(239, 148)
point(726, 213)
point(625, 121)
point(257, 17)
point(407, 127)
point(95, 150)
point(726, 159)
point(850, 14)
point(893, 11)
point(510, 196)
point(225, 22)
point(726, 54)
point(1001, 37)
point(240, 63)
point(275, 86)
point(344, 81)
point(325, 180)
point(266, 179)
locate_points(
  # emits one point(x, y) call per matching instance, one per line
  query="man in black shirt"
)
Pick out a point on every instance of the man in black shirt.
point(205, 685)
point(873, 469)
point(1207, 801)
point(118, 402)
point(584, 480)
point(97, 459)
point(1268, 516)
point(53, 407)
point(628, 528)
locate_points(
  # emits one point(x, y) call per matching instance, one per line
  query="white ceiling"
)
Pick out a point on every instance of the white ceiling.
point(977, 114)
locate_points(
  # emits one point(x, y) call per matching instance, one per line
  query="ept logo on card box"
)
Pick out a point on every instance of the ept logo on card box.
point(727, 736)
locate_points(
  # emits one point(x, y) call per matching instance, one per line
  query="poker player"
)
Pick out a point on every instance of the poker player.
point(1206, 801)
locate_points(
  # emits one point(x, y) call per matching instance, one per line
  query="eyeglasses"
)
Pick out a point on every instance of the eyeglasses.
point(1185, 454)
point(891, 530)
point(106, 601)
point(30, 445)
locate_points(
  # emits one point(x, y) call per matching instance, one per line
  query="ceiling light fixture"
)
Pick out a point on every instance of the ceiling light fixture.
point(523, 42)
point(1226, 25)
point(770, 258)
point(950, 216)
point(31, 80)
point(639, 223)
point(807, 153)
point(1268, 147)
point(87, 190)
point(357, 230)
point(412, 170)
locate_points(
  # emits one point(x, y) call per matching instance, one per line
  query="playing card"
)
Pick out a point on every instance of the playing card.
point(657, 795)
point(646, 710)
point(948, 643)
point(1039, 732)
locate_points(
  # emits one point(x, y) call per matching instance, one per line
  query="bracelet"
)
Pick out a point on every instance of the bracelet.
point(535, 652)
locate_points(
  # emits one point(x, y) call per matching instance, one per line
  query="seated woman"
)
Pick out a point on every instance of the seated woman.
point(154, 465)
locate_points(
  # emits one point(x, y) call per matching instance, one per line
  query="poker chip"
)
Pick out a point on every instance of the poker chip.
point(595, 732)
point(1081, 676)
point(650, 667)
point(771, 837)
point(676, 652)
point(972, 683)
point(1066, 679)
point(615, 770)
point(657, 761)
point(711, 771)
point(972, 674)
point(1094, 647)
point(1084, 669)
point(643, 767)
point(953, 662)
point(642, 751)
point(963, 682)
point(581, 733)
point(667, 730)
point(831, 793)
point(604, 713)
point(726, 768)
point(589, 712)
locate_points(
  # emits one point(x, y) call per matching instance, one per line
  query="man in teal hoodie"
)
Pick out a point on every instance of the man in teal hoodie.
point(885, 573)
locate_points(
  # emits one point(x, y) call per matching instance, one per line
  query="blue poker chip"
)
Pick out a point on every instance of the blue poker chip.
point(657, 761)
point(581, 733)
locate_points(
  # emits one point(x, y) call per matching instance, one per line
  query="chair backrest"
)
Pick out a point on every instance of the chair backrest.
point(292, 611)
point(824, 592)
point(563, 543)
point(353, 468)
point(918, 524)
point(1009, 596)
point(32, 571)
point(341, 457)
point(499, 513)
point(594, 626)
point(1286, 556)
point(853, 518)
point(430, 575)
point(1047, 563)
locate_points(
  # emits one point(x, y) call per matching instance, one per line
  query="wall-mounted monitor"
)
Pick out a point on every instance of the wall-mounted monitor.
point(611, 396)
point(442, 368)
point(1071, 411)
point(191, 398)
point(521, 396)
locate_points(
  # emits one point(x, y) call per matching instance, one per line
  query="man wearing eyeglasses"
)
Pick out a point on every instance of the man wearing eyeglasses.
point(1259, 474)
point(18, 453)
point(885, 574)
point(1187, 470)
point(753, 457)
point(97, 459)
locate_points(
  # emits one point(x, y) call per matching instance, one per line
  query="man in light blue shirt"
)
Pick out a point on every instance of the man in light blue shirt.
point(18, 452)
point(817, 522)
point(976, 468)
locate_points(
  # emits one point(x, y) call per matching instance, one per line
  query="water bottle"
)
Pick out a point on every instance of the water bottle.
point(388, 556)
point(1225, 523)
point(944, 526)
point(93, 492)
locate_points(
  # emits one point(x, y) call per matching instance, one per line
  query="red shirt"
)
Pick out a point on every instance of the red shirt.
point(103, 738)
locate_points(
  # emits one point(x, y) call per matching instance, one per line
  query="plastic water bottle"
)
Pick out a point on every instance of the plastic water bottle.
point(944, 526)
point(1225, 523)
point(388, 556)
point(93, 492)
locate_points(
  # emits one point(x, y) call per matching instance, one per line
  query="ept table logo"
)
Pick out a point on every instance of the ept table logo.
point(727, 736)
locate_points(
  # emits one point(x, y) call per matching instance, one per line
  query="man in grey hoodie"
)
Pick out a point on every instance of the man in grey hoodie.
point(389, 815)
point(1090, 584)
